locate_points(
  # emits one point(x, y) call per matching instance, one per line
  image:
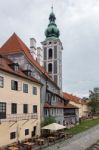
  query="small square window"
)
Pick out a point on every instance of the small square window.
point(12, 135)
point(26, 131)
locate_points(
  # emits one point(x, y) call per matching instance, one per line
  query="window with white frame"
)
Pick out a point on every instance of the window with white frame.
point(34, 108)
point(34, 90)
point(25, 88)
point(14, 85)
point(1, 82)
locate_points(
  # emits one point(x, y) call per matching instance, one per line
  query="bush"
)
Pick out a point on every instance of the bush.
point(48, 121)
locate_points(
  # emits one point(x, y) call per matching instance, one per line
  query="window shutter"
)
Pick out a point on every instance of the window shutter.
point(19, 86)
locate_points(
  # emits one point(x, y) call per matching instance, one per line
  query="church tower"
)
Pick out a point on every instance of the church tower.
point(52, 51)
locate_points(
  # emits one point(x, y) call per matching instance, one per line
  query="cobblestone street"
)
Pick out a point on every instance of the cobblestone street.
point(94, 146)
point(80, 141)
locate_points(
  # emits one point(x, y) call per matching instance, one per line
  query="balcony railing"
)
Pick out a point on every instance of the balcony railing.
point(69, 115)
point(19, 117)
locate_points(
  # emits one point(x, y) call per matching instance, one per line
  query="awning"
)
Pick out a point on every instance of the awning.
point(54, 127)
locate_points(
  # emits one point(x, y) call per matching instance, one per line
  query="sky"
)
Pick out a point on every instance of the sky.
point(78, 22)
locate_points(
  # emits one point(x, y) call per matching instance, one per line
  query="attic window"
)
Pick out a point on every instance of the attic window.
point(15, 66)
point(28, 72)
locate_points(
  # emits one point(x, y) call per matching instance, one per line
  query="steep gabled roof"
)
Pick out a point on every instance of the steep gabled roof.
point(14, 45)
point(73, 98)
point(69, 106)
point(5, 66)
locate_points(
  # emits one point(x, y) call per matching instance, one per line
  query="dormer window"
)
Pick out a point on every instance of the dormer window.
point(28, 72)
point(15, 66)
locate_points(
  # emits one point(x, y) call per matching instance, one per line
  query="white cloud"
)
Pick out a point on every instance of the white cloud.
point(78, 21)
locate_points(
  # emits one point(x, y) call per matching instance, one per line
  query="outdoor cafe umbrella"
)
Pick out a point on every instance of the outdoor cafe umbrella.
point(54, 127)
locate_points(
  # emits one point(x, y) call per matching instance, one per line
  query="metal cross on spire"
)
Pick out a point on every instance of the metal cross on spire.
point(52, 7)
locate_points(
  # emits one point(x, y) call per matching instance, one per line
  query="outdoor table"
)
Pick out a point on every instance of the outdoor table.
point(61, 132)
point(40, 141)
point(34, 139)
point(62, 135)
point(29, 144)
point(51, 139)
point(13, 148)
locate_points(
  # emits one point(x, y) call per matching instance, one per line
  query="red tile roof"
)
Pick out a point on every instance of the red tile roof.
point(14, 45)
point(57, 105)
point(5, 66)
point(46, 105)
point(73, 98)
point(69, 106)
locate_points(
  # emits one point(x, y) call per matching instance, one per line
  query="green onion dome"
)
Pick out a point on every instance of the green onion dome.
point(52, 30)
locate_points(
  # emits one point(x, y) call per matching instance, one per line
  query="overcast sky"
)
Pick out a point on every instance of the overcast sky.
point(78, 21)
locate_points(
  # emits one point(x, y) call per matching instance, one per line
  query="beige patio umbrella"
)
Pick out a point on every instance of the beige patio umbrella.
point(54, 127)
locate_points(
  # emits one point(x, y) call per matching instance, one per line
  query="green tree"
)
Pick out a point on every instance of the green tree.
point(93, 103)
point(48, 121)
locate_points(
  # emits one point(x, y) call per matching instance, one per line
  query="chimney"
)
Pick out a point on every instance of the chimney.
point(33, 48)
point(40, 55)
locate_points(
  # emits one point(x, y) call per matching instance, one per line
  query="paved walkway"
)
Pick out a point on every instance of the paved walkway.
point(78, 142)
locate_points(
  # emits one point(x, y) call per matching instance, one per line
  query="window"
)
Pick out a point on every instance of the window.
point(25, 108)
point(25, 88)
point(34, 90)
point(2, 110)
point(14, 85)
point(50, 67)
point(12, 135)
point(26, 131)
point(1, 82)
point(50, 53)
point(14, 108)
point(45, 112)
point(16, 67)
point(35, 109)
point(50, 42)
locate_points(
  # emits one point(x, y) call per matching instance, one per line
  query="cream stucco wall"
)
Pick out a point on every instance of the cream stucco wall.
point(10, 96)
point(83, 109)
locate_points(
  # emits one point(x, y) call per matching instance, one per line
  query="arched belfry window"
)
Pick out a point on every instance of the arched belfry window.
point(50, 53)
point(50, 67)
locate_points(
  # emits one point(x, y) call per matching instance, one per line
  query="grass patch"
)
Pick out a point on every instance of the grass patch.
point(83, 126)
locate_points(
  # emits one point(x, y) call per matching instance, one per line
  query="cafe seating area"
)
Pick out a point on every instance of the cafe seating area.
point(39, 142)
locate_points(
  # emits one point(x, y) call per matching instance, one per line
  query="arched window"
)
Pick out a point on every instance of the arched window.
point(50, 67)
point(50, 53)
